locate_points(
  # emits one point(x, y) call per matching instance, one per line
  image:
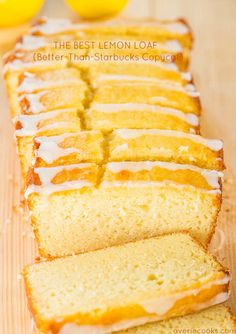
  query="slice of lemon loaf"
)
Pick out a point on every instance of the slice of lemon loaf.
point(216, 319)
point(179, 83)
point(149, 29)
point(151, 69)
point(69, 148)
point(69, 96)
point(33, 82)
point(16, 63)
point(110, 116)
point(166, 145)
point(128, 145)
point(96, 207)
point(125, 286)
point(163, 94)
point(48, 124)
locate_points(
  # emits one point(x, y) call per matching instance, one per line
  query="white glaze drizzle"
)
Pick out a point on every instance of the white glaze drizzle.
point(20, 65)
point(46, 174)
point(169, 85)
point(213, 144)
point(155, 184)
point(173, 45)
point(186, 76)
point(53, 26)
point(71, 328)
point(211, 176)
point(60, 125)
point(157, 308)
point(53, 188)
point(120, 107)
point(31, 83)
point(49, 149)
point(34, 101)
point(178, 27)
point(123, 78)
point(167, 66)
point(30, 43)
point(30, 122)
point(163, 304)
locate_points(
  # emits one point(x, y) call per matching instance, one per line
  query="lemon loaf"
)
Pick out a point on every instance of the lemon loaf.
point(51, 123)
point(69, 96)
point(168, 82)
point(32, 82)
point(67, 148)
point(151, 29)
point(140, 68)
point(128, 145)
point(125, 286)
point(135, 145)
point(110, 116)
point(16, 63)
point(35, 82)
point(161, 94)
point(216, 319)
point(96, 207)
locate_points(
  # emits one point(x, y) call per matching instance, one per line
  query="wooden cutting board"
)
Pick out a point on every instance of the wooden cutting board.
point(214, 70)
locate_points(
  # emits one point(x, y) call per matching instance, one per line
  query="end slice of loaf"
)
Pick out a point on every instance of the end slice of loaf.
point(125, 286)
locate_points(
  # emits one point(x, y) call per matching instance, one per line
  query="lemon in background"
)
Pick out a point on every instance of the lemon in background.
point(92, 9)
point(13, 12)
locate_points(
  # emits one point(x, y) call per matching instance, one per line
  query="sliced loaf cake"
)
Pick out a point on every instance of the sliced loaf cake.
point(126, 286)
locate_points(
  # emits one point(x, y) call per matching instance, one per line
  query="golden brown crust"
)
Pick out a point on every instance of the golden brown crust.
point(33, 178)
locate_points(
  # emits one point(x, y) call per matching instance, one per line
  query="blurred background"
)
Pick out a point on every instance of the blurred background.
point(214, 71)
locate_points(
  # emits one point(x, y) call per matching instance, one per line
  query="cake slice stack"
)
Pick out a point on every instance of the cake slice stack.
point(115, 167)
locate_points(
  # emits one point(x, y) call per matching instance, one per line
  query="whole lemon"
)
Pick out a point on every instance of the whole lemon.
point(13, 12)
point(92, 9)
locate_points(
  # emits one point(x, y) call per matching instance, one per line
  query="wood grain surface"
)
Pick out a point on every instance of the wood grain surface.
point(214, 70)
